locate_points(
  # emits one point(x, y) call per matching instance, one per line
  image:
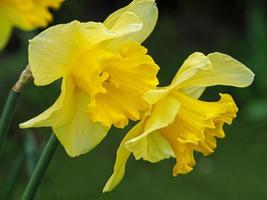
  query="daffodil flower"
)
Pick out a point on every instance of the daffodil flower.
point(178, 123)
point(24, 14)
point(105, 72)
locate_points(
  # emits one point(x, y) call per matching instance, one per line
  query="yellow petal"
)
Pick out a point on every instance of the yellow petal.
point(122, 157)
point(68, 119)
point(229, 71)
point(217, 69)
point(200, 71)
point(153, 96)
point(194, 91)
point(97, 32)
point(149, 145)
point(52, 51)
point(163, 114)
point(130, 75)
point(194, 63)
point(127, 23)
point(5, 31)
point(146, 10)
point(80, 135)
point(153, 148)
point(53, 116)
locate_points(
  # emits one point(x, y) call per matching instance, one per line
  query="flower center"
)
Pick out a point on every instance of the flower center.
point(89, 71)
point(131, 72)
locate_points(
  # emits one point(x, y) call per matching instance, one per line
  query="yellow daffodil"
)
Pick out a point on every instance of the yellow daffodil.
point(24, 14)
point(178, 123)
point(105, 73)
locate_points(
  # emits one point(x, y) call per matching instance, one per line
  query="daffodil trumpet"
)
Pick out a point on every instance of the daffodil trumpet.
point(178, 123)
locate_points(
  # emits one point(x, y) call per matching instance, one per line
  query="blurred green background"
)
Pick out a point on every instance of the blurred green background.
point(238, 168)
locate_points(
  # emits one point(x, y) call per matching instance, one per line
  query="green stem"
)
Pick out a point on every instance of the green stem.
point(40, 168)
point(6, 116)
point(10, 105)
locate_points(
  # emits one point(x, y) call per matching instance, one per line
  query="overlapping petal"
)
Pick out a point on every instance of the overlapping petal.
point(163, 114)
point(152, 147)
point(54, 116)
point(144, 141)
point(53, 52)
point(220, 69)
point(194, 91)
point(149, 145)
point(200, 71)
point(146, 10)
point(69, 121)
point(80, 135)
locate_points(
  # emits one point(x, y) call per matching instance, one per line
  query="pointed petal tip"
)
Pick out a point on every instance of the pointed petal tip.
point(23, 125)
point(27, 124)
point(106, 189)
point(108, 186)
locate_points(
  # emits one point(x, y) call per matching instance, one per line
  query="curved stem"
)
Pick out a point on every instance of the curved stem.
point(6, 116)
point(10, 105)
point(40, 168)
